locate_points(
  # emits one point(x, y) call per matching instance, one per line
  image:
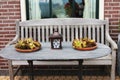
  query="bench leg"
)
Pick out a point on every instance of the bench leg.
point(112, 72)
point(10, 70)
point(113, 65)
point(31, 73)
point(80, 70)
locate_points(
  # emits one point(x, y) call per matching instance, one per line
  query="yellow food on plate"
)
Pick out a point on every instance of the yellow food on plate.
point(27, 43)
point(83, 43)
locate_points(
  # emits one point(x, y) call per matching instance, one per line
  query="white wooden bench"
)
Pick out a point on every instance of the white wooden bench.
point(70, 28)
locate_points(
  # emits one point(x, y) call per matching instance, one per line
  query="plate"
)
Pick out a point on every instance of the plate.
point(87, 49)
point(27, 50)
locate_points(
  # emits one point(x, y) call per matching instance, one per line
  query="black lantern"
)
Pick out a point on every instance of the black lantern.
point(56, 40)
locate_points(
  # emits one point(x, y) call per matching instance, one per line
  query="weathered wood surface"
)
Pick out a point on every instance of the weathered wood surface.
point(70, 28)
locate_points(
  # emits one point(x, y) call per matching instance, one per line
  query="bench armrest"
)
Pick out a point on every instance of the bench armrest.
point(13, 41)
point(111, 41)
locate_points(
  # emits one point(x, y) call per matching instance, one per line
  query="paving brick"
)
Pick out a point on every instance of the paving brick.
point(60, 78)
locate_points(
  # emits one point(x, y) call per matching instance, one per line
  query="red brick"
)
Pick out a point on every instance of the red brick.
point(3, 2)
point(3, 17)
point(3, 60)
point(3, 25)
point(1, 46)
point(106, 12)
point(115, 15)
point(17, 6)
point(8, 21)
point(14, 17)
point(114, 19)
point(3, 10)
point(14, 10)
point(14, 2)
point(1, 43)
point(8, 6)
point(115, 31)
point(7, 14)
point(9, 29)
point(9, 36)
point(1, 28)
point(4, 39)
point(108, 16)
point(17, 13)
point(106, 4)
point(2, 63)
point(12, 25)
point(113, 12)
point(1, 36)
point(113, 4)
point(116, 0)
point(4, 32)
point(108, 8)
point(4, 67)
point(108, 0)
point(116, 8)
point(0, 21)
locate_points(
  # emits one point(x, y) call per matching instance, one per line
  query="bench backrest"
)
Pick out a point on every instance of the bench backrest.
point(70, 28)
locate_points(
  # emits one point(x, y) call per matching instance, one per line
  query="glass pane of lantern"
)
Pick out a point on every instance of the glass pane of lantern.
point(56, 43)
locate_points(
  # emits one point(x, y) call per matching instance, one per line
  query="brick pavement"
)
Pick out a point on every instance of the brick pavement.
point(60, 78)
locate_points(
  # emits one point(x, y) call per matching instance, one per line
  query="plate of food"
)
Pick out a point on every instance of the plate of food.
point(27, 45)
point(84, 44)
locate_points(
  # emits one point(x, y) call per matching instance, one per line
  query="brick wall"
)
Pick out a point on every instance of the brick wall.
point(10, 11)
point(112, 11)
